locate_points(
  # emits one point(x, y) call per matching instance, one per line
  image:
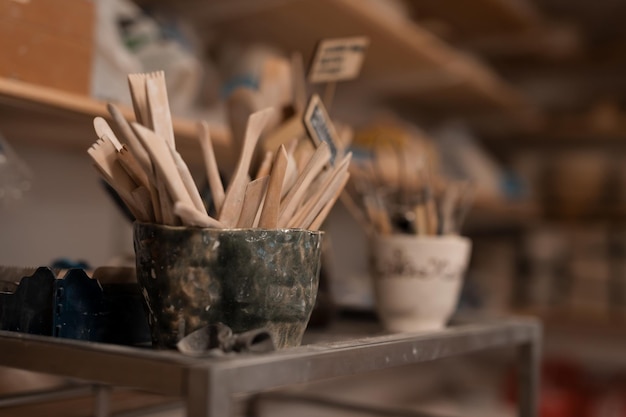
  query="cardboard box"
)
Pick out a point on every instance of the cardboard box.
point(48, 42)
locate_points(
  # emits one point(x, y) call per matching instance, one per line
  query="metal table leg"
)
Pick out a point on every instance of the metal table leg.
point(529, 374)
point(208, 395)
point(102, 406)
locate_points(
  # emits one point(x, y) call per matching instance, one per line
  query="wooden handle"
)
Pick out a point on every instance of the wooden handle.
point(140, 105)
point(159, 108)
point(210, 163)
point(165, 204)
point(251, 201)
point(266, 165)
point(271, 206)
point(326, 191)
point(293, 199)
point(190, 185)
point(132, 167)
point(283, 134)
point(102, 129)
point(319, 220)
point(137, 87)
point(164, 163)
point(233, 199)
point(104, 156)
point(140, 176)
point(141, 196)
point(137, 160)
point(192, 217)
point(131, 140)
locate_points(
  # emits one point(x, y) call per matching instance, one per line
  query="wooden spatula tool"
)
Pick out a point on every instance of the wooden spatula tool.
point(233, 200)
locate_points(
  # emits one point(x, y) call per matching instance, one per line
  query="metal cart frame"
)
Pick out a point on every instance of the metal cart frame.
point(208, 385)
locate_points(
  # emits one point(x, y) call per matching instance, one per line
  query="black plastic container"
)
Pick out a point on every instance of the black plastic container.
point(75, 307)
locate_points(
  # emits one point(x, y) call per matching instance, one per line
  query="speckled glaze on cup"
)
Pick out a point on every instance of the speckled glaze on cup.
point(245, 278)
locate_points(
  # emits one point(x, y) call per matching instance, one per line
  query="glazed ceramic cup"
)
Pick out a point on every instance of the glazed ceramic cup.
point(417, 279)
point(245, 278)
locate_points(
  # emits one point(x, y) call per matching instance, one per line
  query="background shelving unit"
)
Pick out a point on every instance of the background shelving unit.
point(51, 118)
point(405, 63)
point(481, 19)
point(403, 59)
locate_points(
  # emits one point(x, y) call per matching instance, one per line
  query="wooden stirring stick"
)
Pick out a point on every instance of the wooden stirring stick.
point(271, 206)
point(130, 164)
point(164, 163)
point(291, 172)
point(166, 204)
point(102, 128)
point(141, 173)
point(146, 112)
point(294, 197)
point(233, 200)
point(143, 115)
point(103, 154)
point(137, 86)
point(307, 213)
point(266, 165)
point(138, 152)
point(159, 107)
point(130, 138)
point(141, 196)
point(319, 220)
point(212, 171)
point(251, 201)
point(192, 217)
point(190, 185)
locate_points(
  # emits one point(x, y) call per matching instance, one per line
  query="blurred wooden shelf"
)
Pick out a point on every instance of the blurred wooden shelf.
point(490, 213)
point(500, 30)
point(602, 124)
point(403, 60)
point(47, 117)
point(583, 134)
point(481, 18)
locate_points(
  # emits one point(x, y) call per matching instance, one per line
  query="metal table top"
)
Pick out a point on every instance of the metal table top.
point(209, 383)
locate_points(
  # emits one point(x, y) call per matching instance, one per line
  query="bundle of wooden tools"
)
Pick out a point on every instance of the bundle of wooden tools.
point(395, 189)
point(288, 190)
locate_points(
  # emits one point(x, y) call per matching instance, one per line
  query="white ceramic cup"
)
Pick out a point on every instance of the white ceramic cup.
point(417, 279)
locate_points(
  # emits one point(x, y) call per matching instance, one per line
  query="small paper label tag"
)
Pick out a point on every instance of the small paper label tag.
point(338, 59)
point(319, 126)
